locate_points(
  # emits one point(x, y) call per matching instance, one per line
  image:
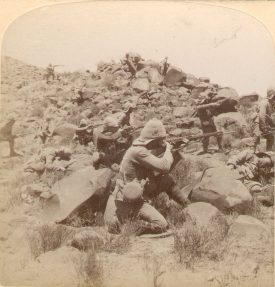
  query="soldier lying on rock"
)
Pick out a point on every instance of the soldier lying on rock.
point(253, 167)
point(143, 175)
point(49, 159)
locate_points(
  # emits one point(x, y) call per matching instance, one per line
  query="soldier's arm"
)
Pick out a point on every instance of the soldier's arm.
point(208, 106)
point(149, 161)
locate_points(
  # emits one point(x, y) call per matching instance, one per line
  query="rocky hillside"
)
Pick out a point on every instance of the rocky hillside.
point(206, 246)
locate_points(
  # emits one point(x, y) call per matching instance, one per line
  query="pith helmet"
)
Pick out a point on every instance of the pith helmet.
point(153, 129)
point(270, 92)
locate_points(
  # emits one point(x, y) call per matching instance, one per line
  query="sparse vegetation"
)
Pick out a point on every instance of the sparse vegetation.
point(89, 268)
point(153, 268)
point(47, 238)
point(192, 242)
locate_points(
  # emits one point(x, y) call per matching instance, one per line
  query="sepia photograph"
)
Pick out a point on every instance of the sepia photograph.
point(136, 145)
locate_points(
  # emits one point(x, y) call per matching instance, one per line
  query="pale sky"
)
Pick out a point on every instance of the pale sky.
point(230, 47)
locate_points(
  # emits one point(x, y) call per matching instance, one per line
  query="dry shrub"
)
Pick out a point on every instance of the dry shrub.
point(47, 237)
point(153, 268)
point(193, 242)
point(89, 269)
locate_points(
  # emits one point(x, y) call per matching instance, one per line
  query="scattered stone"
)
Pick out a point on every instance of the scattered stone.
point(248, 228)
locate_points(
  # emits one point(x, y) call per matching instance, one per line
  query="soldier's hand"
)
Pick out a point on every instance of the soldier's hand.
point(168, 146)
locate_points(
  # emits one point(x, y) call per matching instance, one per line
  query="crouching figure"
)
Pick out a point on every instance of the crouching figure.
point(142, 176)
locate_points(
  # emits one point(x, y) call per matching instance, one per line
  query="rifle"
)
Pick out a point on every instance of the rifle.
point(179, 142)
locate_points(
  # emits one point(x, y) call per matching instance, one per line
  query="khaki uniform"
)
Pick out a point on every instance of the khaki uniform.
point(6, 135)
point(246, 163)
point(206, 117)
point(266, 123)
point(140, 164)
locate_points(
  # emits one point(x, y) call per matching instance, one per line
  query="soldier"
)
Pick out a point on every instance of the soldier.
point(46, 160)
point(78, 96)
point(50, 72)
point(265, 120)
point(205, 112)
point(6, 135)
point(132, 65)
point(45, 130)
point(143, 175)
point(253, 167)
point(164, 65)
point(106, 143)
point(84, 133)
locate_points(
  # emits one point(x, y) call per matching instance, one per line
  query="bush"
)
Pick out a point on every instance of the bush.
point(46, 237)
point(193, 242)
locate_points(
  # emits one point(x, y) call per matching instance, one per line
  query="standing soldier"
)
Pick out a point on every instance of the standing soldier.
point(164, 65)
point(132, 65)
point(143, 175)
point(45, 130)
point(205, 112)
point(6, 135)
point(49, 72)
point(265, 120)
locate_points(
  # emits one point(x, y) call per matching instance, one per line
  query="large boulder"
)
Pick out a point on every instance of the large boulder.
point(65, 130)
point(196, 91)
point(228, 99)
point(202, 213)
point(233, 121)
point(141, 85)
point(73, 192)
point(248, 228)
point(174, 76)
point(154, 76)
point(220, 187)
